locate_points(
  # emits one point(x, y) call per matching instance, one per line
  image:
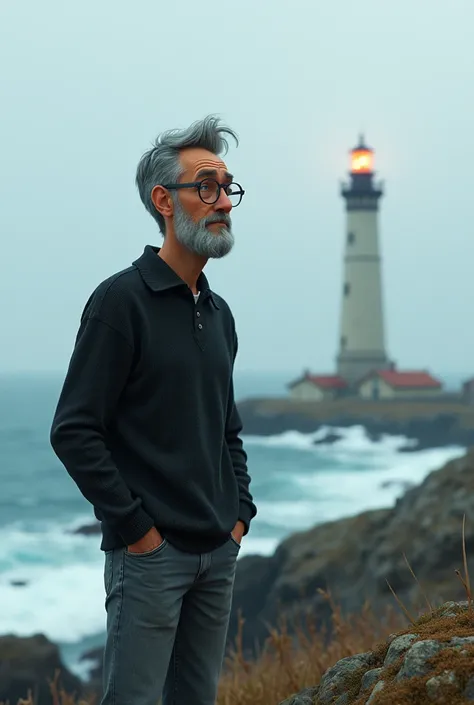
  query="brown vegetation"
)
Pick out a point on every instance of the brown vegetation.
point(289, 664)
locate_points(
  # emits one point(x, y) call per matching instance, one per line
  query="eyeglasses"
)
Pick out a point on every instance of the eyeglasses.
point(210, 190)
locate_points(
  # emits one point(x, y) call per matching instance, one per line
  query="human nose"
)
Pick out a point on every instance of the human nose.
point(223, 203)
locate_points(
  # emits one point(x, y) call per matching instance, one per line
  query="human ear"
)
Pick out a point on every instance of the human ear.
point(162, 201)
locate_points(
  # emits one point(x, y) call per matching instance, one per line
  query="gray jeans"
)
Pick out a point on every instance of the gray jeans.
point(167, 620)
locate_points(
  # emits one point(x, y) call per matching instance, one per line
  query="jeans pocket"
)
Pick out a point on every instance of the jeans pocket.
point(236, 543)
point(148, 554)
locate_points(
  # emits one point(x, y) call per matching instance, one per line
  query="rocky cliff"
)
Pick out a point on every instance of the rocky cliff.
point(353, 557)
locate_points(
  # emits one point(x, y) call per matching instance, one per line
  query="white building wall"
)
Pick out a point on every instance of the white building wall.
point(362, 338)
point(362, 325)
point(306, 391)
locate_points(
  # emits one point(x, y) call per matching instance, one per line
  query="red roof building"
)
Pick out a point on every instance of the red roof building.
point(389, 384)
point(311, 387)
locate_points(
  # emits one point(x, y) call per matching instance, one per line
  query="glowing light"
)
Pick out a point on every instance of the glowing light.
point(362, 161)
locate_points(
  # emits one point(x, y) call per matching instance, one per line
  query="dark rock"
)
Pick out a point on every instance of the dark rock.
point(460, 643)
point(450, 609)
point(29, 664)
point(436, 685)
point(469, 689)
point(370, 678)
point(398, 647)
point(306, 697)
point(378, 688)
point(416, 659)
point(19, 583)
point(402, 484)
point(342, 699)
point(329, 439)
point(409, 448)
point(373, 435)
point(334, 681)
point(88, 529)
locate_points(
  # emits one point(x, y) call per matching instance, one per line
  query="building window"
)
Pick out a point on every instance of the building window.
point(347, 289)
point(351, 238)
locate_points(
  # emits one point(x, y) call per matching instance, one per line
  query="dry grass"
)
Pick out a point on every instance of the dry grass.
point(58, 696)
point(288, 664)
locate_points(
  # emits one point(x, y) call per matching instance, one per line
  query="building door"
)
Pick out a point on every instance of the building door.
point(375, 388)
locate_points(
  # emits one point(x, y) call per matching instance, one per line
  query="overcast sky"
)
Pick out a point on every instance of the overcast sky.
point(86, 86)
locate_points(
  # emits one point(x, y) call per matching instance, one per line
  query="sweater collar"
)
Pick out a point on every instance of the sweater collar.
point(159, 276)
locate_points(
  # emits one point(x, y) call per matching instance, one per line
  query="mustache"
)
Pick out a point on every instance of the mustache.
point(219, 218)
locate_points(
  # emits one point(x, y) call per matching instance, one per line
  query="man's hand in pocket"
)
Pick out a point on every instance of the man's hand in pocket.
point(149, 542)
point(238, 531)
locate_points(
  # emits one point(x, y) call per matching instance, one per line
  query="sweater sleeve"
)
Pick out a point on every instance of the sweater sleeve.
point(98, 370)
point(247, 509)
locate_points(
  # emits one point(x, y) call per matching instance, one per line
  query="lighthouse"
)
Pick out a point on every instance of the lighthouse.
point(362, 335)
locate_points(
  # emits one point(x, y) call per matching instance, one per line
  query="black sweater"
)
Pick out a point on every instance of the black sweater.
point(146, 424)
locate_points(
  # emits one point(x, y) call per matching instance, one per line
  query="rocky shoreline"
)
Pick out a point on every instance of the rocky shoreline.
point(352, 558)
point(429, 424)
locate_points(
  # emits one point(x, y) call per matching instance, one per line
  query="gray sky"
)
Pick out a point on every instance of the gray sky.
point(85, 86)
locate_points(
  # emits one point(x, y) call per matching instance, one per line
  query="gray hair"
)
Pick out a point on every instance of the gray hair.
point(161, 165)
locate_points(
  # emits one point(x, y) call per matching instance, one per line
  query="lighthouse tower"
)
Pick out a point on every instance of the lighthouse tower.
point(362, 343)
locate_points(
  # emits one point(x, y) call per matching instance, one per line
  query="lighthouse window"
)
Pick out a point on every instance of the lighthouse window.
point(347, 289)
point(343, 342)
point(351, 238)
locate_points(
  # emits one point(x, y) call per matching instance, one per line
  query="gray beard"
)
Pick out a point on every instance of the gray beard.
point(198, 239)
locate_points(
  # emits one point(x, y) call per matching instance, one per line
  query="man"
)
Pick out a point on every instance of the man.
point(147, 427)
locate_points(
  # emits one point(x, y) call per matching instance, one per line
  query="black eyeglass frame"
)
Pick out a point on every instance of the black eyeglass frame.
point(198, 185)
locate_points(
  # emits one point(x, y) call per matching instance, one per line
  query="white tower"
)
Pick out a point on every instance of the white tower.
point(362, 344)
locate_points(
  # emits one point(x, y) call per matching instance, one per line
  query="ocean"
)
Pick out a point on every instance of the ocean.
point(51, 580)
